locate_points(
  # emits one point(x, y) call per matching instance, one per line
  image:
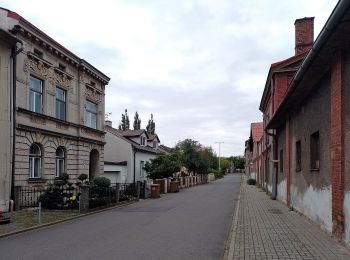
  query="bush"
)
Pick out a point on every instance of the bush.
point(102, 182)
point(211, 170)
point(251, 182)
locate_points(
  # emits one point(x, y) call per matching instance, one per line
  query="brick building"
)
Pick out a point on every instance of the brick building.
point(277, 83)
point(310, 130)
point(58, 121)
point(253, 163)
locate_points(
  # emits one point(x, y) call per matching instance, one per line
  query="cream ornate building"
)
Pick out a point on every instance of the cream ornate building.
point(59, 111)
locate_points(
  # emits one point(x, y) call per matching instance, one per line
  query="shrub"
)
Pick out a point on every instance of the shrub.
point(251, 182)
point(102, 182)
point(211, 170)
point(82, 177)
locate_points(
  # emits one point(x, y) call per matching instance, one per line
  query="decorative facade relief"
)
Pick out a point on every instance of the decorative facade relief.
point(47, 72)
point(93, 95)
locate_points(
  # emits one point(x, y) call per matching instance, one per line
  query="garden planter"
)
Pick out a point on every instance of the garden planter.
point(155, 192)
point(161, 182)
point(174, 186)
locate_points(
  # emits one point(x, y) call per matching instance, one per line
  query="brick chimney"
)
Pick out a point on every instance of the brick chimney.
point(304, 34)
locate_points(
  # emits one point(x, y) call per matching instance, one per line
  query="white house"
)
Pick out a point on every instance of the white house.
point(126, 153)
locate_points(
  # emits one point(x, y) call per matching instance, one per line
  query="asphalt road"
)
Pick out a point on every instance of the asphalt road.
point(192, 224)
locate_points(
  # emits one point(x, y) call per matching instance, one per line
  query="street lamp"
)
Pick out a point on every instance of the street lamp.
point(219, 154)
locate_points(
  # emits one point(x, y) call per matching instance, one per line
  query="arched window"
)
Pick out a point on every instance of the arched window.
point(35, 161)
point(60, 156)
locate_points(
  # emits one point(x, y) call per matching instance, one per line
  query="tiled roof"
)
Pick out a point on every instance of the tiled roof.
point(257, 130)
point(135, 145)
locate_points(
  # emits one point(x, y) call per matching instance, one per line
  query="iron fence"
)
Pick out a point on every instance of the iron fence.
point(51, 197)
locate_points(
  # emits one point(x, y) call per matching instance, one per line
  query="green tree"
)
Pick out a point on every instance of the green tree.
point(163, 166)
point(125, 123)
point(151, 126)
point(224, 164)
point(137, 121)
point(238, 162)
point(188, 152)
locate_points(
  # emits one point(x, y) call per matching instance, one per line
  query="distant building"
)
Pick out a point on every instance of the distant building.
point(253, 151)
point(126, 153)
point(59, 103)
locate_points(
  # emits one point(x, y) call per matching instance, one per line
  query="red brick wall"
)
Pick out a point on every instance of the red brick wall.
point(281, 84)
point(337, 145)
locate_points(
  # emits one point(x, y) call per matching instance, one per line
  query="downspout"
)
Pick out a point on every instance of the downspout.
point(14, 54)
point(134, 150)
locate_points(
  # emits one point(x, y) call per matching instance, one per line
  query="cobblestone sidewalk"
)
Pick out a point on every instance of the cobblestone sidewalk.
point(266, 229)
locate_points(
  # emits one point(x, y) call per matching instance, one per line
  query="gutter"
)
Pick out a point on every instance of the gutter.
point(332, 22)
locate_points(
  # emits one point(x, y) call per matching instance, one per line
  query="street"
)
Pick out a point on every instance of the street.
point(192, 224)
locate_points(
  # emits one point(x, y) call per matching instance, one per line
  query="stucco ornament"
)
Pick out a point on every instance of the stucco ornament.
point(93, 95)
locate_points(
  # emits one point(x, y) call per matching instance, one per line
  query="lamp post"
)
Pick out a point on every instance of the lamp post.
point(219, 153)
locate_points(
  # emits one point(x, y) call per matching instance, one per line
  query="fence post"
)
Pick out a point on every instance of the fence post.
point(117, 195)
point(138, 189)
point(18, 197)
point(84, 199)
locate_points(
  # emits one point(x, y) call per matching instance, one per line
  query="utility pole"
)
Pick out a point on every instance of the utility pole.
point(219, 154)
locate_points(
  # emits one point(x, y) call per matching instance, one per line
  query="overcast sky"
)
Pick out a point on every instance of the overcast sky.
point(198, 65)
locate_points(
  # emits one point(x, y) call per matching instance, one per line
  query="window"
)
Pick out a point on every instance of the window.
point(142, 140)
point(298, 156)
point(34, 161)
point(60, 154)
point(38, 53)
point(61, 67)
point(142, 171)
point(315, 151)
point(154, 144)
point(281, 160)
point(91, 114)
point(35, 95)
point(60, 103)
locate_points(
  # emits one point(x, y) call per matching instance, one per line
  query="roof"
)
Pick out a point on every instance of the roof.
point(134, 145)
point(164, 148)
point(291, 64)
point(335, 35)
point(30, 30)
point(151, 137)
point(257, 130)
point(131, 133)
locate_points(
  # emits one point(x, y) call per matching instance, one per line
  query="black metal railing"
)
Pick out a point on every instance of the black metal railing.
point(51, 197)
point(127, 191)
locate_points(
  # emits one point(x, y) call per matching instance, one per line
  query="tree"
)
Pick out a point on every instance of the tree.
point(137, 122)
point(224, 164)
point(163, 166)
point(151, 126)
point(238, 162)
point(188, 152)
point(125, 123)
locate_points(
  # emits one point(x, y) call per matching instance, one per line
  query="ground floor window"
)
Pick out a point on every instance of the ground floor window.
point(35, 161)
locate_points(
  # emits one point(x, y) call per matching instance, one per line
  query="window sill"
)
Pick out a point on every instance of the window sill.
point(315, 170)
point(36, 180)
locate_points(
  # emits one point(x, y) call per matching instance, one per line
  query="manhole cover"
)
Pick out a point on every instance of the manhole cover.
point(275, 211)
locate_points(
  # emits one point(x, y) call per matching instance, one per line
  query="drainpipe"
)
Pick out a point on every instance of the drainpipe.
point(134, 150)
point(14, 54)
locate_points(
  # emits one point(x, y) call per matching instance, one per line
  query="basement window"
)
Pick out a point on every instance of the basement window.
point(298, 156)
point(315, 151)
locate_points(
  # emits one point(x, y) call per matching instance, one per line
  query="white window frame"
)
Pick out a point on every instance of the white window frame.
point(142, 164)
point(36, 95)
point(58, 100)
point(35, 159)
point(60, 158)
point(89, 114)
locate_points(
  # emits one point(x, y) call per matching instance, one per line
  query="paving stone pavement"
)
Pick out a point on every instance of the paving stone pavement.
point(267, 229)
